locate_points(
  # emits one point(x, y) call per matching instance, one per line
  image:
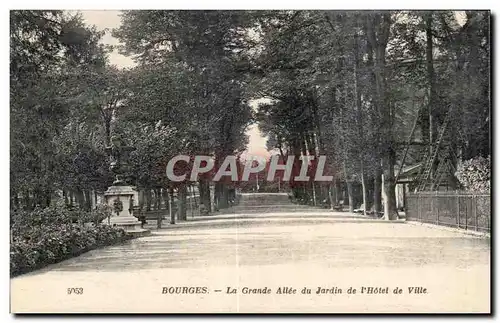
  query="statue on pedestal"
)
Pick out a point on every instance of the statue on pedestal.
point(119, 154)
point(120, 196)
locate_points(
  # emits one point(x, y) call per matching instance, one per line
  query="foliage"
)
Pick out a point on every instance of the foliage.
point(155, 145)
point(475, 174)
point(190, 75)
point(46, 50)
point(99, 213)
point(42, 245)
point(117, 206)
point(349, 85)
point(55, 233)
point(345, 84)
point(57, 213)
point(191, 79)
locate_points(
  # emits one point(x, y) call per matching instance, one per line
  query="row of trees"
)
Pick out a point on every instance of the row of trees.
point(186, 96)
point(352, 85)
point(55, 141)
point(347, 85)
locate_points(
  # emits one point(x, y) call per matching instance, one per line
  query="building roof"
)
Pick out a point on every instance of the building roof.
point(408, 172)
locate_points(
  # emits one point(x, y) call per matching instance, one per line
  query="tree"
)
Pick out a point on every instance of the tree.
point(204, 48)
point(44, 44)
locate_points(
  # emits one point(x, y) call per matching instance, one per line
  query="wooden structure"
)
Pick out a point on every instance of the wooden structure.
point(437, 166)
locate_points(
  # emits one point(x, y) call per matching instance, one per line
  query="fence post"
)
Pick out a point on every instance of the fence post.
point(458, 210)
point(489, 217)
point(474, 197)
point(437, 211)
point(419, 211)
point(432, 212)
point(467, 214)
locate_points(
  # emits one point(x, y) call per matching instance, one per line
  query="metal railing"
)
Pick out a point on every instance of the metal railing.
point(464, 210)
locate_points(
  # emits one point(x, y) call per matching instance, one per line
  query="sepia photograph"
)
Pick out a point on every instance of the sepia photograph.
point(250, 161)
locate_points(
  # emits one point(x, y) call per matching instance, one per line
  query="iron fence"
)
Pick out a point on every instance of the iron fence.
point(458, 209)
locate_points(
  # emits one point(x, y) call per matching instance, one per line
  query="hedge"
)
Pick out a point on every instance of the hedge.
point(47, 236)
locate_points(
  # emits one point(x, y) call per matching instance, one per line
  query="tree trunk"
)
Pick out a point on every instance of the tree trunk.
point(171, 206)
point(365, 190)
point(88, 201)
point(303, 147)
point(71, 198)
point(378, 36)
point(168, 206)
point(296, 186)
point(220, 195)
point(158, 199)
point(148, 199)
point(336, 191)
point(377, 191)
point(217, 193)
point(304, 185)
point(191, 200)
point(349, 188)
point(48, 197)
point(205, 194)
point(330, 196)
point(311, 145)
point(201, 192)
point(224, 201)
point(65, 196)
point(106, 118)
point(80, 199)
point(350, 196)
point(140, 196)
point(359, 121)
point(182, 197)
point(313, 193)
point(195, 201)
point(369, 193)
point(390, 208)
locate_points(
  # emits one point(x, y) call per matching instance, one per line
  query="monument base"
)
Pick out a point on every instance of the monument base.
point(124, 197)
point(126, 223)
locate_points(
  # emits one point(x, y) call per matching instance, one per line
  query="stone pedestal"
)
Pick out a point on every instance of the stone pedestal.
point(124, 219)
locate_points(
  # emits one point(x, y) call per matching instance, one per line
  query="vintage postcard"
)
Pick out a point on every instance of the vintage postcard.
point(258, 161)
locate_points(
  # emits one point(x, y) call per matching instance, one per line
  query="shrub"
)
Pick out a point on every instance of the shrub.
point(46, 236)
point(474, 174)
point(97, 215)
point(57, 213)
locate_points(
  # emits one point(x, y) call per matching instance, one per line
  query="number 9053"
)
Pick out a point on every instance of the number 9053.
point(75, 290)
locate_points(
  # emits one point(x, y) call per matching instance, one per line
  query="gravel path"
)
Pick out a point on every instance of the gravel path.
point(268, 242)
